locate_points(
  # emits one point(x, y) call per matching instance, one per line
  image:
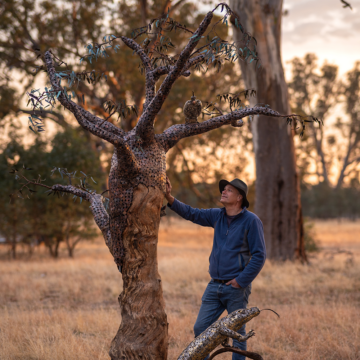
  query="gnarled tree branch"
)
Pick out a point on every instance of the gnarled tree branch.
point(145, 126)
point(101, 216)
point(163, 70)
point(88, 121)
point(177, 132)
point(149, 76)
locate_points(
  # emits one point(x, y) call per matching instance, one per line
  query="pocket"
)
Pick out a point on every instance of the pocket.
point(237, 288)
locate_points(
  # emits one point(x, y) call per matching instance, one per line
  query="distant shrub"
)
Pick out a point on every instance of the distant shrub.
point(311, 243)
point(324, 202)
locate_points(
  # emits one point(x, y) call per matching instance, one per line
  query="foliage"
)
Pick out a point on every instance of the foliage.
point(310, 240)
point(73, 24)
point(323, 201)
point(44, 218)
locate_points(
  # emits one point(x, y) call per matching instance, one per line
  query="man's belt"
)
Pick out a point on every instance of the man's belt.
point(222, 281)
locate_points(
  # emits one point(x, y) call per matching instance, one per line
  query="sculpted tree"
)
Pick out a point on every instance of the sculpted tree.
point(138, 167)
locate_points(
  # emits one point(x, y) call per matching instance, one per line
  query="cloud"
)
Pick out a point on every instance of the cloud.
point(342, 33)
point(302, 32)
point(324, 18)
point(356, 27)
point(322, 27)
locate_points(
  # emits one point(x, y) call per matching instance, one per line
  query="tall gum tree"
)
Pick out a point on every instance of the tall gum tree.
point(138, 174)
point(277, 199)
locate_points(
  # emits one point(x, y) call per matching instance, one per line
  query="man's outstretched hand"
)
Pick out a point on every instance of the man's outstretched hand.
point(170, 199)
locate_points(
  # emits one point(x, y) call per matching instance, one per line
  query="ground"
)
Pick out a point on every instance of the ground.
point(67, 308)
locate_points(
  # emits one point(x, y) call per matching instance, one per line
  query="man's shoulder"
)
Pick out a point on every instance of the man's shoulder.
point(251, 216)
point(217, 211)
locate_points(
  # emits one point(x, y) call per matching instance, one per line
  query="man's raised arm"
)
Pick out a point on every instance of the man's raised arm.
point(198, 216)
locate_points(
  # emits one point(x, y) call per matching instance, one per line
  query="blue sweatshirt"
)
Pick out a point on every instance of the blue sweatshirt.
point(238, 250)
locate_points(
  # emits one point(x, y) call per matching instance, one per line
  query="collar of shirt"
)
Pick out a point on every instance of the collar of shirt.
point(233, 216)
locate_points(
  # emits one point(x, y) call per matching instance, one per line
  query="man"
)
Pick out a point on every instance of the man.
point(237, 256)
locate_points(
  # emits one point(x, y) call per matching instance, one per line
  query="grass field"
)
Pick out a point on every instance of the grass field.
point(67, 309)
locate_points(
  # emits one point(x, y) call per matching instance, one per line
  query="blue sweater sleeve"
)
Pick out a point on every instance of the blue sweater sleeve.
point(258, 254)
point(202, 217)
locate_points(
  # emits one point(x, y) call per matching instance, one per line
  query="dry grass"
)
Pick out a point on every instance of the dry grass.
point(67, 309)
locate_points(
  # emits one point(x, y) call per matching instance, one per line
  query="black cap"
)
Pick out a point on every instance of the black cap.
point(238, 184)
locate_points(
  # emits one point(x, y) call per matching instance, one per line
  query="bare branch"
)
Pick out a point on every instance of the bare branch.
point(139, 50)
point(149, 77)
point(71, 189)
point(145, 126)
point(101, 218)
point(88, 121)
point(177, 132)
point(163, 70)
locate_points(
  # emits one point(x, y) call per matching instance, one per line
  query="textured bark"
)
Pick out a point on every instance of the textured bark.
point(143, 332)
point(277, 201)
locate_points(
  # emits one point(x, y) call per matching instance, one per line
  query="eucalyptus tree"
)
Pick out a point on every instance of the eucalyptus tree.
point(319, 91)
point(138, 166)
point(277, 197)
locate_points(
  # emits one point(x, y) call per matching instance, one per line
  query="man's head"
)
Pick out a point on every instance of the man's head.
point(231, 196)
point(233, 193)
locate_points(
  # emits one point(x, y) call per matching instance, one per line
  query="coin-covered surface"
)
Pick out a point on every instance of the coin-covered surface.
point(219, 332)
point(192, 110)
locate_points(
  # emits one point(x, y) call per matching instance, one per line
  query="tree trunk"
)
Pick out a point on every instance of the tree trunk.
point(144, 327)
point(135, 206)
point(13, 249)
point(277, 200)
point(71, 251)
point(53, 246)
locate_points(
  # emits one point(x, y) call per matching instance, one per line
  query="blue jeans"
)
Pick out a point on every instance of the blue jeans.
point(218, 297)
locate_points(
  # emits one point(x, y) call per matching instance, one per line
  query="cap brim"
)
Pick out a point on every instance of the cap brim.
point(222, 184)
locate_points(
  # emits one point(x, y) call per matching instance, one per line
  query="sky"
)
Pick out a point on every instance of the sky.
point(322, 27)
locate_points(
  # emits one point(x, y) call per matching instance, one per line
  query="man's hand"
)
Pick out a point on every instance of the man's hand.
point(233, 283)
point(170, 199)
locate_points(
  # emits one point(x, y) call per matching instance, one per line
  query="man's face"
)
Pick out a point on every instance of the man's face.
point(230, 195)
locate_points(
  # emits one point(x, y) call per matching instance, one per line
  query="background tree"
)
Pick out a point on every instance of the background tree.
point(277, 197)
point(319, 92)
point(328, 157)
point(138, 166)
point(43, 218)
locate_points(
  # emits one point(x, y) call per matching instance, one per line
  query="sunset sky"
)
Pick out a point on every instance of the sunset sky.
point(322, 27)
